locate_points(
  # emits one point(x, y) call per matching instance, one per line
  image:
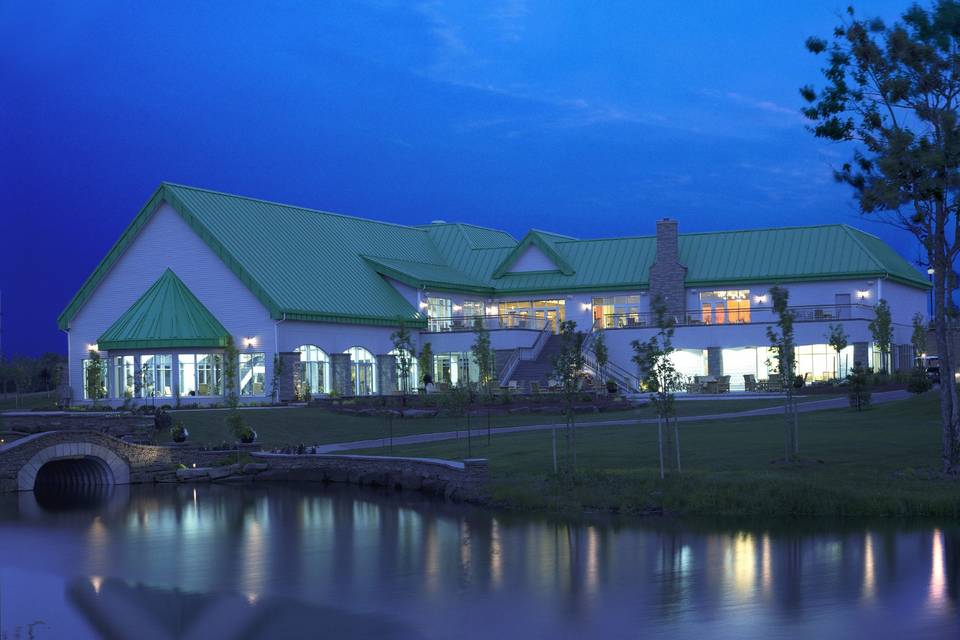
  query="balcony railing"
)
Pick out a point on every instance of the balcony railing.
point(755, 315)
point(491, 323)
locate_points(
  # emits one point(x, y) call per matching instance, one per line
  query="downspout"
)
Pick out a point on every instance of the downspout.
point(69, 362)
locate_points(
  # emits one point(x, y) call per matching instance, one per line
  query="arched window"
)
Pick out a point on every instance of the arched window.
point(314, 368)
point(363, 371)
point(412, 381)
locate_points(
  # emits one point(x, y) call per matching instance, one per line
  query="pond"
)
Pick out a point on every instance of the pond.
point(315, 561)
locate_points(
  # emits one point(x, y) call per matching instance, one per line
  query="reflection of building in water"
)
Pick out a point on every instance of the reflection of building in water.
point(937, 597)
point(741, 563)
point(869, 571)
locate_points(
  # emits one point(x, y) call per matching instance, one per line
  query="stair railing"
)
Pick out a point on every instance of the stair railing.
point(526, 353)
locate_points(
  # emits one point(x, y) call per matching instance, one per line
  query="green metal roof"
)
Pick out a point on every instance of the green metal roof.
point(167, 316)
point(304, 264)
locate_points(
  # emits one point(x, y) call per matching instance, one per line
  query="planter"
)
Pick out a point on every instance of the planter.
point(180, 435)
point(249, 438)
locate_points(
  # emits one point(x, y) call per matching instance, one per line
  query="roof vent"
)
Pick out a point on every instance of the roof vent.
point(438, 222)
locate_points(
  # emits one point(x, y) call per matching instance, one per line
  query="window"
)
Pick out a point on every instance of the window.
point(820, 361)
point(439, 311)
point(532, 314)
point(314, 368)
point(363, 371)
point(455, 368)
point(156, 374)
point(616, 312)
point(89, 372)
point(725, 307)
point(201, 374)
point(411, 381)
point(253, 373)
point(473, 308)
point(124, 377)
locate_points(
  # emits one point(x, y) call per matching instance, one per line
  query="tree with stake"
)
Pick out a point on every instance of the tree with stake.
point(567, 369)
point(425, 360)
point(893, 91)
point(919, 336)
point(95, 377)
point(601, 356)
point(784, 349)
point(838, 340)
point(661, 379)
point(483, 354)
point(403, 345)
point(881, 328)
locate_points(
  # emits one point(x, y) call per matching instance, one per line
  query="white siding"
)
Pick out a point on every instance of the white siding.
point(167, 241)
point(532, 259)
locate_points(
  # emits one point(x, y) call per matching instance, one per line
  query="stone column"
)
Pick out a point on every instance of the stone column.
point(289, 378)
point(860, 353)
point(387, 374)
point(340, 382)
point(714, 361)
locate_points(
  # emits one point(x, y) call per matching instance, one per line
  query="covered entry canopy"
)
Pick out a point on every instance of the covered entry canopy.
point(167, 316)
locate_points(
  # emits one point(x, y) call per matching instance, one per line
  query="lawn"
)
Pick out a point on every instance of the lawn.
point(29, 402)
point(283, 426)
point(879, 462)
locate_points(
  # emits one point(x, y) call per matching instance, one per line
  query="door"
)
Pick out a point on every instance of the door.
point(842, 302)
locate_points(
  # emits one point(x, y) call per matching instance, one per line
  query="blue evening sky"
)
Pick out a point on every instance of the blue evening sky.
point(587, 118)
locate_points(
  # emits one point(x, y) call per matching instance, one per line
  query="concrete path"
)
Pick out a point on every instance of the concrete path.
point(803, 407)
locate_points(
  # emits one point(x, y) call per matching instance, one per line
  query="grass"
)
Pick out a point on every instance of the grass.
point(29, 402)
point(882, 462)
point(280, 427)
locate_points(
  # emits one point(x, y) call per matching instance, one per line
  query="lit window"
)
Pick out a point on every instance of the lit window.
point(314, 368)
point(156, 375)
point(201, 374)
point(439, 312)
point(253, 373)
point(405, 360)
point(94, 379)
point(723, 307)
point(124, 377)
point(616, 312)
point(363, 371)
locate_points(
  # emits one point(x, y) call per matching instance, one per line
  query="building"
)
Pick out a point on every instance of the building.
point(322, 294)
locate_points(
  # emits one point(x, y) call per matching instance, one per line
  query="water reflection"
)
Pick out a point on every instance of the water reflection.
point(445, 570)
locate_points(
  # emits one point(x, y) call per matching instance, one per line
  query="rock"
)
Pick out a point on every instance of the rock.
point(433, 485)
point(193, 475)
point(280, 475)
point(255, 467)
point(216, 473)
point(337, 475)
point(307, 475)
point(409, 481)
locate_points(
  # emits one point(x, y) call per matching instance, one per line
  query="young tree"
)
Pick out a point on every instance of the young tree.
point(893, 91)
point(601, 356)
point(425, 360)
point(784, 350)
point(274, 380)
point(838, 340)
point(661, 379)
point(881, 329)
point(403, 345)
point(95, 376)
point(919, 336)
point(483, 354)
point(568, 369)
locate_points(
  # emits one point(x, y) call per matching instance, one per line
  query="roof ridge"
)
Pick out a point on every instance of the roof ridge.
point(849, 231)
point(291, 206)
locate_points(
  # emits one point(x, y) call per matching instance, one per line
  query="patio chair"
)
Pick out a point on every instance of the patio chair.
point(723, 384)
point(749, 382)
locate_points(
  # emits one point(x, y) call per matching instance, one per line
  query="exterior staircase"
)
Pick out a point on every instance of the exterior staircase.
point(538, 369)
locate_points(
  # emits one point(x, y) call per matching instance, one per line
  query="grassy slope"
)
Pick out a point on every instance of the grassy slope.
point(317, 426)
point(879, 462)
point(29, 401)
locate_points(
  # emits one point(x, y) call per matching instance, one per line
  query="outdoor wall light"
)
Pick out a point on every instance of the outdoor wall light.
point(92, 347)
point(760, 299)
point(930, 271)
point(585, 306)
point(249, 341)
point(457, 308)
point(863, 295)
point(423, 305)
point(492, 310)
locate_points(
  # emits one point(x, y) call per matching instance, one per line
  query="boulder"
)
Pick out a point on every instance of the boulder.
point(255, 467)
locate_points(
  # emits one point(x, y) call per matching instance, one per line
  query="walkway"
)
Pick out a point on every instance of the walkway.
point(803, 407)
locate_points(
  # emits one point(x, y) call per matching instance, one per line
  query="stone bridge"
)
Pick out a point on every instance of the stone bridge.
point(88, 458)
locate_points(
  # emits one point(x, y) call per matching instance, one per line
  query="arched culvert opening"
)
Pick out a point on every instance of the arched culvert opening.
point(73, 483)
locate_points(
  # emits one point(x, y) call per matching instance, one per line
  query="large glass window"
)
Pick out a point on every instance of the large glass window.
point(156, 372)
point(616, 312)
point(314, 368)
point(820, 362)
point(124, 377)
point(88, 371)
point(455, 368)
point(253, 373)
point(363, 371)
point(473, 308)
point(201, 374)
point(532, 314)
point(439, 312)
point(725, 307)
point(410, 382)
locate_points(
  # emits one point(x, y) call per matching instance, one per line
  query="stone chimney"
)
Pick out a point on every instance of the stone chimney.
point(667, 275)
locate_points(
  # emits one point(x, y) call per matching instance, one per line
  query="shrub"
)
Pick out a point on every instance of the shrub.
point(162, 421)
point(859, 387)
point(919, 382)
point(178, 432)
point(612, 387)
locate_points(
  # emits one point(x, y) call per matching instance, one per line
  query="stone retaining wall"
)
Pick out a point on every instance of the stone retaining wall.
point(455, 480)
point(117, 425)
